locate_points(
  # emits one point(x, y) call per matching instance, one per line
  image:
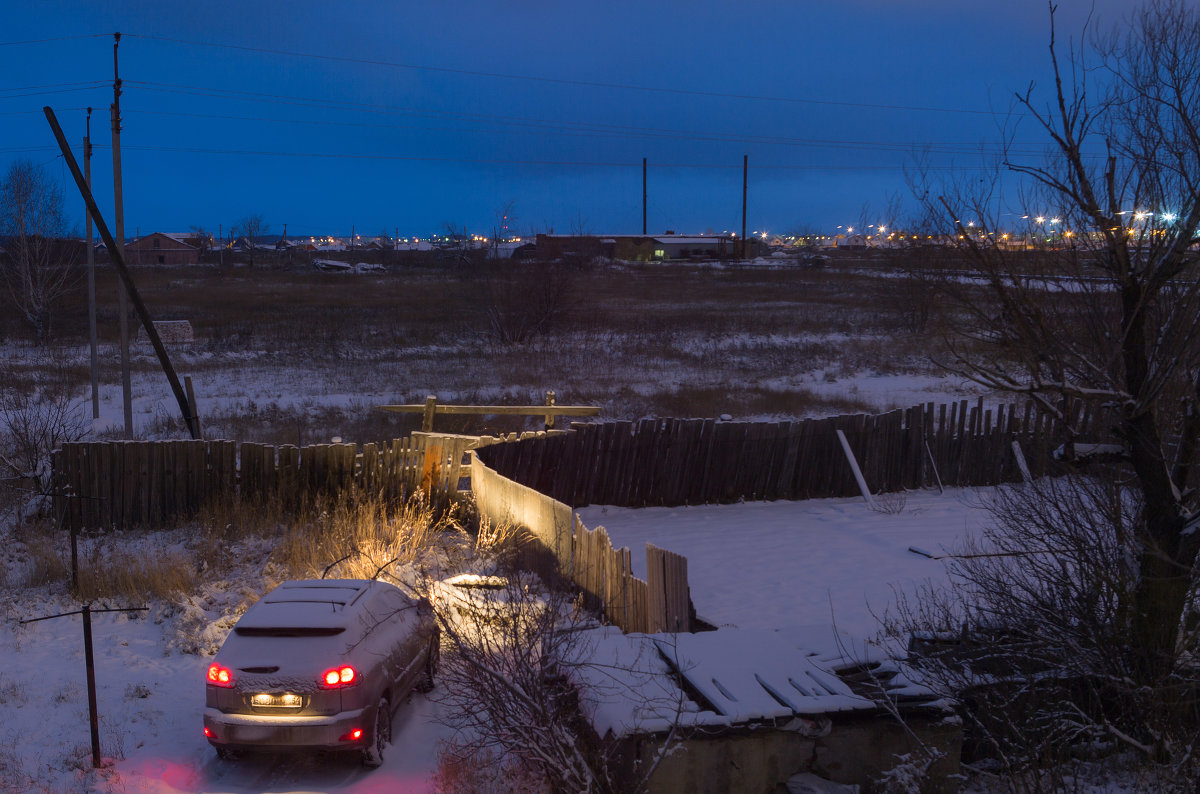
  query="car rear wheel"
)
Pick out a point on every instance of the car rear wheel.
point(425, 683)
point(381, 736)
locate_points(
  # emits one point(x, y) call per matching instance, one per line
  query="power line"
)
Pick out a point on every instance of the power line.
point(560, 80)
point(591, 128)
point(598, 131)
point(57, 38)
point(501, 161)
point(56, 91)
point(88, 83)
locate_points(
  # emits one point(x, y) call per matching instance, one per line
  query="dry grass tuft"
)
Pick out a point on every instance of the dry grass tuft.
point(362, 539)
point(504, 542)
point(46, 564)
point(134, 575)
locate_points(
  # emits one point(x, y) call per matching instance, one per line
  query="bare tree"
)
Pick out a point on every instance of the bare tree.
point(1103, 311)
point(37, 265)
point(250, 227)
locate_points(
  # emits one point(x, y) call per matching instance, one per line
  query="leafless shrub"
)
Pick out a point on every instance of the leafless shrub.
point(1035, 638)
point(889, 503)
point(511, 669)
point(33, 422)
point(522, 300)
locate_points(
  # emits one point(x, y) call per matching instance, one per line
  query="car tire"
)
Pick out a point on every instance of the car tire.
point(426, 682)
point(381, 736)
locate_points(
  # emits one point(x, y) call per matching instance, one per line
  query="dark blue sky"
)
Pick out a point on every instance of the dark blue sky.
point(416, 115)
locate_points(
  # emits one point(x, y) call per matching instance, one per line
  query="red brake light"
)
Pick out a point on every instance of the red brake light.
point(208, 732)
point(353, 736)
point(220, 676)
point(337, 677)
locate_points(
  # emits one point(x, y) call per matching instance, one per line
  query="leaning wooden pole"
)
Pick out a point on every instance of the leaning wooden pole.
point(119, 263)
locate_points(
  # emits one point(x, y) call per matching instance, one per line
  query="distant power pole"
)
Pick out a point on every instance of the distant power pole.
point(745, 181)
point(91, 273)
point(119, 239)
point(643, 196)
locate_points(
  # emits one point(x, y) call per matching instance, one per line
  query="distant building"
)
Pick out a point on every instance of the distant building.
point(163, 249)
point(637, 248)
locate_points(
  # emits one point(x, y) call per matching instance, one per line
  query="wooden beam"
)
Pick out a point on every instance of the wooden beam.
point(497, 410)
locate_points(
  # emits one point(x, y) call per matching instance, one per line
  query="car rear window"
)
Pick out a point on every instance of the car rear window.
point(288, 631)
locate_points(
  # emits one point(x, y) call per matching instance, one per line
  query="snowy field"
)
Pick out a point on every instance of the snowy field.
point(800, 566)
point(794, 566)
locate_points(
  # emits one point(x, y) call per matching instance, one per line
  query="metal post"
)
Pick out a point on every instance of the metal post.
point(91, 273)
point(643, 196)
point(90, 662)
point(119, 237)
point(191, 401)
point(745, 174)
point(549, 417)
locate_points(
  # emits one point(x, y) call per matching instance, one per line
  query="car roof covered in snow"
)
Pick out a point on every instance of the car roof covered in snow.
point(310, 603)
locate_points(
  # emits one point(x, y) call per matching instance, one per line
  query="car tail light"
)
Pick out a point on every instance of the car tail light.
point(208, 732)
point(338, 677)
point(353, 736)
point(220, 676)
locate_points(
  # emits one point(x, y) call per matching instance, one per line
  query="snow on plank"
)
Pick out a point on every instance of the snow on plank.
point(753, 675)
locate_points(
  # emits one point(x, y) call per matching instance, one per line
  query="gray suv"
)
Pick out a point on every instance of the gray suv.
point(320, 664)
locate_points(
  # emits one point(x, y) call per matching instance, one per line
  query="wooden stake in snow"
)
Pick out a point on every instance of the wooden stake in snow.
point(858, 475)
point(1021, 463)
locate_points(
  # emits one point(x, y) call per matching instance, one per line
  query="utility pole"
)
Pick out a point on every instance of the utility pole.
point(745, 180)
point(91, 272)
point(643, 196)
point(119, 238)
point(221, 242)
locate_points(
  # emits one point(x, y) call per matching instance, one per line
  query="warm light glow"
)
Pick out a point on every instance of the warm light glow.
point(1040, 219)
point(219, 676)
point(339, 676)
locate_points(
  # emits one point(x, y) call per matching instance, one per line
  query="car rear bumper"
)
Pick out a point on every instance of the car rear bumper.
point(267, 731)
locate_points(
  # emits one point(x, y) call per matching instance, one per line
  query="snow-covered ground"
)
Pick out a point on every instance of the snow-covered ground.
point(799, 566)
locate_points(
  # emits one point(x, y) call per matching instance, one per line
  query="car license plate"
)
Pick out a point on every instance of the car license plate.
point(276, 700)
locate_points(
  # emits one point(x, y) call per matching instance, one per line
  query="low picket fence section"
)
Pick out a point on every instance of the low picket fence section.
point(586, 557)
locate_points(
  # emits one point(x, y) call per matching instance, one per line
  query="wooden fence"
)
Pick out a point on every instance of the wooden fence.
point(698, 461)
point(586, 557)
point(126, 484)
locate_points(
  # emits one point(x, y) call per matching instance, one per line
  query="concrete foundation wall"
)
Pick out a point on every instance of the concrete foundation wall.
point(855, 750)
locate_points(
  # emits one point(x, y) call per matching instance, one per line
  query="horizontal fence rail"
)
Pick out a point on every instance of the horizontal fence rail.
point(127, 484)
point(703, 461)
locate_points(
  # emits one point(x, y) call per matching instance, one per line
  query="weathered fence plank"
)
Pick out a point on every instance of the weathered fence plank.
point(677, 462)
